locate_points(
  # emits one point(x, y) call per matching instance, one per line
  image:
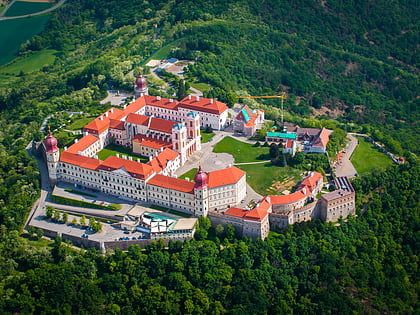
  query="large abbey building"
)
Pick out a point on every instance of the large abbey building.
point(167, 132)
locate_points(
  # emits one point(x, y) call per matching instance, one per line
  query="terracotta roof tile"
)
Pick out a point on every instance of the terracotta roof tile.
point(224, 176)
point(203, 105)
point(135, 106)
point(135, 169)
point(286, 199)
point(82, 144)
point(152, 142)
point(172, 183)
point(162, 102)
point(80, 160)
point(161, 125)
point(137, 119)
point(98, 125)
point(116, 124)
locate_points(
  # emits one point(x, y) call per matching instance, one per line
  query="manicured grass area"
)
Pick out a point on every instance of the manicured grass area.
point(30, 63)
point(14, 32)
point(367, 158)
point(200, 86)
point(79, 123)
point(171, 211)
point(112, 150)
point(190, 174)
point(269, 179)
point(163, 52)
point(241, 151)
point(23, 7)
point(205, 137)
point(79, 192)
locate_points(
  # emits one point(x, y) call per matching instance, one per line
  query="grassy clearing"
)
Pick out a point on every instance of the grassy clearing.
point(242, 152)
point(23, 7)
point(171, 211)
point(112, 150)
point(30, 63)
point(190, 174)
point(35, 242)
point(205, 137)
point(163, 52)
point(79, 123)
point(367, 158)
point(200, 86)
point(15, 32)
point(268, 179)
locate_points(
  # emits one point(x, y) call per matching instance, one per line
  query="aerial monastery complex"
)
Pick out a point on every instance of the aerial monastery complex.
point(167, 133)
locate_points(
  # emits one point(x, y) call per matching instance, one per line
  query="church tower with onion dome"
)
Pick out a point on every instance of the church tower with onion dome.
point(52, 154)
point(141, 87)
point(201, 193)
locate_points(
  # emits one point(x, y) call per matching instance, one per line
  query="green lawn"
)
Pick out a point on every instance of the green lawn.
point(268, 179)
point(242, 152)
point(190, 174)
point(14, 32)
point(112, 150)
point(171, 211)
point(163, 52)
point(367, 158)
point(30, 63)
point(79, 123)
point(23, 7)
point(205, 137)
point(200, 86)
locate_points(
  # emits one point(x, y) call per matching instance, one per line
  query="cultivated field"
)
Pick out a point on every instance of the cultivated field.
point(15, 32)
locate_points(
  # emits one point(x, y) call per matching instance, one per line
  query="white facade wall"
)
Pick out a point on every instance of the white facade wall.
point(170, 198)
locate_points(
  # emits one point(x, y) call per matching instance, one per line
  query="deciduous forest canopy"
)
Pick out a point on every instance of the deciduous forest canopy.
point(358, 58)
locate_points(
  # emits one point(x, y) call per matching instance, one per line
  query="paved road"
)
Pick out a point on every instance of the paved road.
point(59, 4)
point(346, 168)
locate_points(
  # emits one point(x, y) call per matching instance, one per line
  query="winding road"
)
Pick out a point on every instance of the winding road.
point(3, 18)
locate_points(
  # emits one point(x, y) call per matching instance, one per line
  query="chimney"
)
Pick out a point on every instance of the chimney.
point(211, 101)
point(161, 149)
point(189, 97)
point(118, 155)
point(106, 114)
point(150, 158)
point(130, 158)
point(304, 191)
point(112, 110)
point(124, 157)
point(65, 148)
point(101, 118)
point(79, 152)
point(268, 199)
point(76, 140)
point(95, 156)
point(85, 133)
point(312, 174)
point(158, 98)
point(197, 98)
point(125, 106)
point(171, 100)
point(138, 160)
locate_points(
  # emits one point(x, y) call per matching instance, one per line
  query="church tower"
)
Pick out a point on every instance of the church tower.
point(179, 141)
point(193, 129)
point(52, 154)
point(201, 193)
point(141, 87)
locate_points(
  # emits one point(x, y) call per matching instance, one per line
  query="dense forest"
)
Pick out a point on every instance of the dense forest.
point(359, 58)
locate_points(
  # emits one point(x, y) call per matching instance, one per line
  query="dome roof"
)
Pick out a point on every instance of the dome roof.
point(51, 143)
point(200, 179)
point(140, 82)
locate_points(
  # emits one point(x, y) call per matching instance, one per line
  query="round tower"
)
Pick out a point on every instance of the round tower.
point(141, 87)
point(201, 193)
point(52, 154)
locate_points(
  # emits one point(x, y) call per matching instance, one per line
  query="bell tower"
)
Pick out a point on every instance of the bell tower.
point(201, 193)
point(52, 154)
point(141, 87)
point(193, 129)
point(179, 141)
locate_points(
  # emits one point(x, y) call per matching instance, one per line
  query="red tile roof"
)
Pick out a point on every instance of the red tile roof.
point(79, 160)
point(224, 176)
point(116, 124)
point(311, 180)
point(135, 169)
point(322, 139)
point(286, 199)
point(135, 106)
point(151, 142)
point(289, 144)
point(172, 183)
point(256, 214)
point(161, 160)
point(203, 105)
point(82, 144)
point(162, 102)
point(161, 125)
point(138, 119)
point(98, 125)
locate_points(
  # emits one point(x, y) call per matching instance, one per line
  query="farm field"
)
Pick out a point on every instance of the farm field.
point(241, 151)
point(30, 63)
point(15, 32)
point(367, 158)
point(27, 7)
point(268, 179)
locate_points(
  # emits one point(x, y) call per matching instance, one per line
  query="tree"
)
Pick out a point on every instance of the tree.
point(31, 230)
point(65, 217)
point(39, 233)
point(204, 223)
point(56, 215)
point(181, 91)
point(219, 230)
point(274, 151)
point(49, 212)
point(230, 232)
point(82, 220)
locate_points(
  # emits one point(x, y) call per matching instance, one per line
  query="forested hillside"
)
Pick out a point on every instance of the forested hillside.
point(358, 58)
